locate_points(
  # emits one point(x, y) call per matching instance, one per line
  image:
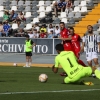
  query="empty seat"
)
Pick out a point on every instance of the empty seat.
point(28, 20)
point(76, 9)
point(27, 8)
point(20, 3)
point(14, 8)
point(90, 4)
point(28, 27)
point(20, 8)
point(35, 20)
point(41, 9)
point(7, 8)
point(56, 21)
point(1, 2)
point(27, 3)
point(47, 3)
point(35, 14)
point(27, 14)
point(41, 15)
point(41, 3)
point(76, 3)
point(71, 14)
point(83, 3)
point(48, 9)
point(71, 21)
point(13, 3)
point(63, 15)
point(77, 15)
point(34, 8)
point(14, 26)
point(64, 20)
point(34, 3)
point(83, 9)
point(1, 8)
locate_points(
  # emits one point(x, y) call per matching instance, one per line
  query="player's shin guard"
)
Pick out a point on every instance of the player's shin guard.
point(81, 63)
point(97, 73)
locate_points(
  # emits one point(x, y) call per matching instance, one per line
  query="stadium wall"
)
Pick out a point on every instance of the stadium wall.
point(17, 45)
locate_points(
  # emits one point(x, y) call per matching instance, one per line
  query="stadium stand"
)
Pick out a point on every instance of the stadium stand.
point(84, 12)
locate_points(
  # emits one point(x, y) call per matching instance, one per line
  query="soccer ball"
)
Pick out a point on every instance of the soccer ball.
point(43, 78)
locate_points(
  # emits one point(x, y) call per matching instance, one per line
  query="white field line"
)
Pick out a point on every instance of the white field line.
point(36, 92)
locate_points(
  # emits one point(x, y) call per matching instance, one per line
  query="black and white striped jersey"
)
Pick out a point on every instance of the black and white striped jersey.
point(91, 43)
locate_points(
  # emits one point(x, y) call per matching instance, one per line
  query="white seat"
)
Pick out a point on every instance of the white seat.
point(48, 9)
point(41, 15)
point(83, 9)
point(27, 8)
point(1, 13)
point(76, 9)
point(20, 3)
point(64, 20)
point(35, 20)
point(83, 3)
point(14, 26)
point(13, 3)
point(63, 15)
point(27, 3)
point(1, 8)
point(41, 9)
point(28, 27)
point(41, 3)
point(14, 8)
point(27, 14)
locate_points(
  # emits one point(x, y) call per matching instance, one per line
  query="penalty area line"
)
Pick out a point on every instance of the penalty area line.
point(36, 92)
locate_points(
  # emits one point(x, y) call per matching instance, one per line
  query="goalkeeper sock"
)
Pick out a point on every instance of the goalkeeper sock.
point(97, 73)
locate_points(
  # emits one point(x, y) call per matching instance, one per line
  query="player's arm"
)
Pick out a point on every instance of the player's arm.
point(33, 44)
point(55, 67)
point(83, 45)
point(98, 41)
point(66, 38)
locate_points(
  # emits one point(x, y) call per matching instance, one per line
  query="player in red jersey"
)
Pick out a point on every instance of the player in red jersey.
point(76, 45)
point(65, 37)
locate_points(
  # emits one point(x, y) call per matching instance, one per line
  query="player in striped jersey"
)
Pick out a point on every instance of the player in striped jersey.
point(91, 42)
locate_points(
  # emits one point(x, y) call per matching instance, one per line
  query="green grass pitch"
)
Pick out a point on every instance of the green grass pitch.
point(18, 83)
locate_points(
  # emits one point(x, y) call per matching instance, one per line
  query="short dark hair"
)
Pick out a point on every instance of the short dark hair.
point(59, 47)
point(71, 28)
point(90, 26)
point(62, 23)
point(27, 36)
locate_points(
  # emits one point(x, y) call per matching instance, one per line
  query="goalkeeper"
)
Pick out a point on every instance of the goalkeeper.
point(69, 63)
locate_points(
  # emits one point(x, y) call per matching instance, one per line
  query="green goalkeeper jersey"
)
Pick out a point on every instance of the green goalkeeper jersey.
point(68, 61)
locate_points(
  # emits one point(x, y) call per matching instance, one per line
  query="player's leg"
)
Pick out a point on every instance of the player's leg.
point(95, 58)
point(78, 56)
point(30, 59)
point(89, 58)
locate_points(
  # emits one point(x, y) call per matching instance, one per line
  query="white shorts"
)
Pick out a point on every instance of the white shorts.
point(91, 55)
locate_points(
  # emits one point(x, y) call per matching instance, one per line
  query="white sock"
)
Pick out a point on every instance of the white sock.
point(26, 63)
point(30, 63)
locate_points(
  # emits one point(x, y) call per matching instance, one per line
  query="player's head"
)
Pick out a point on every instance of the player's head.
point(59, 48)
point(27, 37)
point(62, 25)
point(90, 29)
point(71, 29)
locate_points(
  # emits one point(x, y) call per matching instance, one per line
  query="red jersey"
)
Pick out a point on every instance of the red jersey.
point(43, 35)
point(76, 44)
point(67, 43)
